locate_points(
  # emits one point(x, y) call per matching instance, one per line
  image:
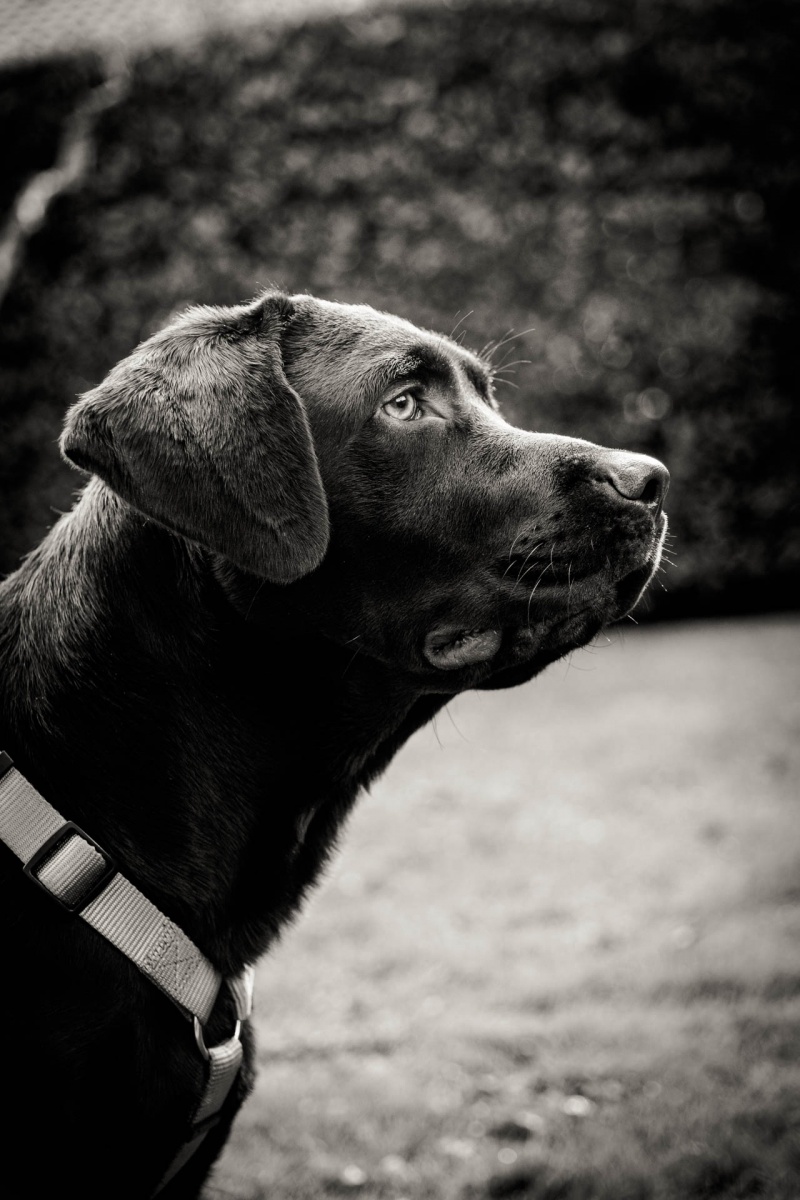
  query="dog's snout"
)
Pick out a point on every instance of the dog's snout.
point(637, 477)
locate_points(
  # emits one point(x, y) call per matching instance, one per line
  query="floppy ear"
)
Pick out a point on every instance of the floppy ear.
point(200, 429)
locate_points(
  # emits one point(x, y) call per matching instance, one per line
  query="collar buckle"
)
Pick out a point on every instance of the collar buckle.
point(71, 867)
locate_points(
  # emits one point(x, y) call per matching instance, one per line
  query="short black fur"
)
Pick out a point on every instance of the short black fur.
point(227, 640)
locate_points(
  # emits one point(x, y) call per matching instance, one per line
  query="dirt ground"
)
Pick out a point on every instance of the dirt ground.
point(558, 955)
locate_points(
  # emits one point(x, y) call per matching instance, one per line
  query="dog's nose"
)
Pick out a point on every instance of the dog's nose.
point(637, 477)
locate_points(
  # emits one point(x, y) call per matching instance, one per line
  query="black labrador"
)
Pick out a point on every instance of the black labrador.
point(307, 526)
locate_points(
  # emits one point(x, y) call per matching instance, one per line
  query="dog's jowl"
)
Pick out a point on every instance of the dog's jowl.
point(306, 525)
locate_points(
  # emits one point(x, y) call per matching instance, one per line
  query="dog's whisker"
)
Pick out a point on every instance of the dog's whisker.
point(533, 589)
point(513, 544)
point(358, 649)
point(507, 366)
point(254, 598)
point(461, 320)
point(511, 553)
point(498, 343)
point(453, 723)
point(522, 571)
point(510, 336)
point(521, 578)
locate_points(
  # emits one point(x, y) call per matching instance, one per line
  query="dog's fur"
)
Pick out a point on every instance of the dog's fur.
point(269, 582)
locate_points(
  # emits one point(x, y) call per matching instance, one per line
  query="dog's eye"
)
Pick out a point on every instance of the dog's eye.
point(403, 408)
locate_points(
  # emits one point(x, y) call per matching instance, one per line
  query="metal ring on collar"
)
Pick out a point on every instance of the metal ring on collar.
point(201, 1041)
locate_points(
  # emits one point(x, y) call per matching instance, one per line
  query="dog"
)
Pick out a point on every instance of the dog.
point(306, 527)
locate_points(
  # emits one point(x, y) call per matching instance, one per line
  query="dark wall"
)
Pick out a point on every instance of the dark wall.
point(627, 187)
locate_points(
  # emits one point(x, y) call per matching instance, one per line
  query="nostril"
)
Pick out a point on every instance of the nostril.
point(636, 477)
point(651, 493)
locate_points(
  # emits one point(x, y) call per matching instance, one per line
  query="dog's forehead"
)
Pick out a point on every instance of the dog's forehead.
point(359, 327)
point(342, 345)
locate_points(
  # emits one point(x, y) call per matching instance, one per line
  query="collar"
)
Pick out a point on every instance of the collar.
point(59, 857)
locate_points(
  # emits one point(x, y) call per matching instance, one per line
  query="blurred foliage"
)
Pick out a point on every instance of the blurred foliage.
point(620, 182)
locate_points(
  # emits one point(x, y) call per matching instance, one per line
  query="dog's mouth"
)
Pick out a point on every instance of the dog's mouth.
point(452, 647)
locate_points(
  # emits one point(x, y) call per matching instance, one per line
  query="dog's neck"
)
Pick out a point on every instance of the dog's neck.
point(217, 759)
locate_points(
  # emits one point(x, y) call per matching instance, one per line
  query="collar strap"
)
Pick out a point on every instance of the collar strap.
point(67, 864)
point(82, 877)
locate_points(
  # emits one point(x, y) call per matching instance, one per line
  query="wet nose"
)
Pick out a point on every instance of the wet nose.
point(637, 477)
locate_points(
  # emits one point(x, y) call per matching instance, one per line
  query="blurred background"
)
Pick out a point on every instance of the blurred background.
point(558, 958)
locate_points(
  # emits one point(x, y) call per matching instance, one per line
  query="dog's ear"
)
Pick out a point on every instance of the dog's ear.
point(200, 429)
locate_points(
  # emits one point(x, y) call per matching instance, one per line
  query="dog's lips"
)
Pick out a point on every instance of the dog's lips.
point(630, 589)
point(450, 647)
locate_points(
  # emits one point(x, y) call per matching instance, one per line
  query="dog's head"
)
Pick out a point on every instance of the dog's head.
point(363, 463)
